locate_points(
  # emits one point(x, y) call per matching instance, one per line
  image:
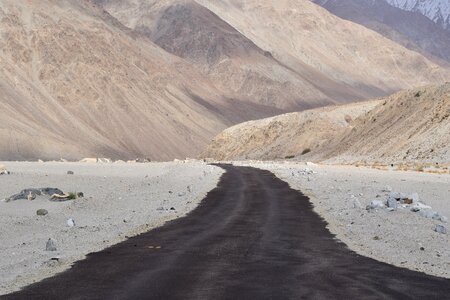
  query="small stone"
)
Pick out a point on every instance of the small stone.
point(429, 214)
point(70, 173)
point(444, 219)
point(80, 195)
point(392, 203)
point(419, 206)
point(395, 195)
point(172, 208)
point(51, 245)
point(422, 249)
point(376, 204)
point(42, 212)
point(71, 222)
point(376, 238)
point(387, 189)
point(31, 196)
point(440, 229)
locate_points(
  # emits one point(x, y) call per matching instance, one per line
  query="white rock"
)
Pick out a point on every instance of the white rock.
point(419, 206)
point(414, 197)
point(71, 222)
point(392, 203)
point(376, 204)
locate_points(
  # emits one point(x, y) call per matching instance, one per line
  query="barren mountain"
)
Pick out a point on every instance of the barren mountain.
point(410, 126)
point(287, 135)
point(302, 35)
point(233, 62)
point(271, 53)
point(74, 83)
point(412, 30)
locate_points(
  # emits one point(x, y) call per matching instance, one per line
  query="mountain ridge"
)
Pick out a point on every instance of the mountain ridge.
point(437, 10)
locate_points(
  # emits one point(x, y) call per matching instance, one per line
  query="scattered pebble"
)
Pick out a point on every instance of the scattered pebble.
point(51, 245)
point(440, 229)
point(42, 212)
point(71, 222)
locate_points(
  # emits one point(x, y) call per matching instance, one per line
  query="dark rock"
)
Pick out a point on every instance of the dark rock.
point(70, 173)
point(42, 212)
point(51, 245)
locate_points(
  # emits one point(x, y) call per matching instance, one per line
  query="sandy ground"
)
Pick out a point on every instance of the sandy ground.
point(120, 200)
point(340, 195)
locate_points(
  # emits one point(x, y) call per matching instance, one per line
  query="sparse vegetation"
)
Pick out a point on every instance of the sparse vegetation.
point(72, 196)
point(306, 151)
point(290, 157)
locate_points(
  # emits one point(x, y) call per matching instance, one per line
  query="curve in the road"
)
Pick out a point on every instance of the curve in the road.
point(253, 237)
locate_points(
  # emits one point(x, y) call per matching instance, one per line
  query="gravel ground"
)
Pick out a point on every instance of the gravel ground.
point(340, 195)
point(120, 200)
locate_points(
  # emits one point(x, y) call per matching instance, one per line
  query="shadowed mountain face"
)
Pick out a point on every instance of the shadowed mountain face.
point(410, 29)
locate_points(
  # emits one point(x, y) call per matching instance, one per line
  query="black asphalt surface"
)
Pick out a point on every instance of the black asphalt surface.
point(253, 237)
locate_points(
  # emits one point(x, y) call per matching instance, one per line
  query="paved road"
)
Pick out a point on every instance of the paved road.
point(251, 238)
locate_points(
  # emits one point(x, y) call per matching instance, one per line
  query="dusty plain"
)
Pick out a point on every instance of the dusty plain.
point(120, 200)
point(340, 194)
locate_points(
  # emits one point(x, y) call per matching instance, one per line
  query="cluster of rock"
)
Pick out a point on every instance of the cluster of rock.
point(55, 195)
point(397, 200)
point(303, 172)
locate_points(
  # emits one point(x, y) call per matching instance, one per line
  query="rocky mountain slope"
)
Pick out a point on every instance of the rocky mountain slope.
point(410, 126)
point(74, 83)
point(285, 136)
point(436, 10)
point(301, 34)
point(232, 61)
point(244, 48)
point(412, 30)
